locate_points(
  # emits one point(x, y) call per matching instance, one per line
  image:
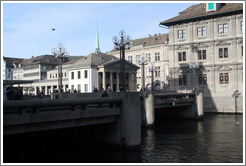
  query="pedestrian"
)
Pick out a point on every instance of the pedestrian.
point(10, 92)
point(109, 89)
point(105, 94)
point(95, 89)
point(75, 91)
point(19, 94)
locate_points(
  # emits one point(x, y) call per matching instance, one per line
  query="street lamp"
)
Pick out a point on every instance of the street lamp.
point(193, 65)
point(122, 43)
point(152, 69)
point(60, 53)
point(142, 61)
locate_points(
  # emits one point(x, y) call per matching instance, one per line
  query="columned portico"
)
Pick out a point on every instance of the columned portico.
point(111, 75)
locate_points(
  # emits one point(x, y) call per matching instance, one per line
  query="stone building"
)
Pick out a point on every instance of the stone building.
point(154, 49)
point(8, 65)
point(206, 52)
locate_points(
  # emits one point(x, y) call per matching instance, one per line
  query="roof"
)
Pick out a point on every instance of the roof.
point(94, 59)
point(11, 61)
point(42, 59)
point(198, 12)
point(115, 61)
point(156, 39)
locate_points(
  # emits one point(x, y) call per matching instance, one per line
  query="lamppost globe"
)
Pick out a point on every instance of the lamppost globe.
point(54, 51)
point(122, 33)
point(60, 46)
point(115, 40)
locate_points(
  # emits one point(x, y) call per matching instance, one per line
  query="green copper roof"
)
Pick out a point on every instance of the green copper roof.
point(97, 48)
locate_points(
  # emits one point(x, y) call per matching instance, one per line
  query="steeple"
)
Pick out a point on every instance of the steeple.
point(97, 48)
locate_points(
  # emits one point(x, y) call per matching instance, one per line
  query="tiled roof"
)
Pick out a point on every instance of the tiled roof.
point(43, 59)
point(115, 61)
point(11, 61)
point(93, 59)
point(198, 12)
point(150, 41)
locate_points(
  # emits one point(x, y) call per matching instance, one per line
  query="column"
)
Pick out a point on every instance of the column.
point(135, 81)
point(104, 80)
point(130, 82)
point(111, 80)
point(98, 81)
point(117, 81)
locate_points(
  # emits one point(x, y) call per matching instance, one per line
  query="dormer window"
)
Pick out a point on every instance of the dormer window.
point(212, 7)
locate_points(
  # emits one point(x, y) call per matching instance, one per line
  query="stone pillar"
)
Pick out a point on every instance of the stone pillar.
point(149, 108)
point(199, 104)
point(128, 127)
point(129, 81)
point(117, 81)
point(98, 81)
point(111, 80)
point(104, 80)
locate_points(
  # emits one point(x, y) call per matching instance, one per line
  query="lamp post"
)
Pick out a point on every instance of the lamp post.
point(193, 66)
point(122, 43)
point(152, 69)
point(60, 53)
point(142, 61)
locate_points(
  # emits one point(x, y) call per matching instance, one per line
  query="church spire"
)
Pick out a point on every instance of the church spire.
point(97, 48)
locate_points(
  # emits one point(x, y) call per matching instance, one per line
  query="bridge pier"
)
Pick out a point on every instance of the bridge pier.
point(148, 110)
point(199, 105)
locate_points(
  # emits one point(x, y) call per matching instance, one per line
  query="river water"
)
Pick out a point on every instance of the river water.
point(216, 139)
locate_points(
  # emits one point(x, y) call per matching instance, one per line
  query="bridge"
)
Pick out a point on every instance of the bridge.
point(125, 110)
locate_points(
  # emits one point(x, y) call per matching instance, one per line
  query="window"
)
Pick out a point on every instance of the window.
point(79, 88)
point(182, 80)
point(210, 6)
point(50, 75)
point(72, 88)
point(202, 79)
point(72, 75)
point(242, 26)
point(56, 75)
point(130, 59)
point(181, 56)
point(224, 78)
point(78, 74)
point(148, 57)
point(86, 87)
point(182, 34)
point(157, 71)
point(157, 56)
point(65, 74)
point(86, 74)
point(201, 31)
point(223, 52)
point(201, 54)
point(137, 58)
point(222, 28)
point(242, 50)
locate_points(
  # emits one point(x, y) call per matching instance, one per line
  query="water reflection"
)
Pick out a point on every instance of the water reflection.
point(216, 139)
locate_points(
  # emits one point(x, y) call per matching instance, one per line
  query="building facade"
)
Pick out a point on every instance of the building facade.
point(8, 65)
point(206, 53)
point(154, 51)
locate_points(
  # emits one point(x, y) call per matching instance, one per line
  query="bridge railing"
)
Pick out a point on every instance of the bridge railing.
point(35, 106)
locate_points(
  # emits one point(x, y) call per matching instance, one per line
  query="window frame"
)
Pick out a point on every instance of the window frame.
point(222, 28)
point(182, 34)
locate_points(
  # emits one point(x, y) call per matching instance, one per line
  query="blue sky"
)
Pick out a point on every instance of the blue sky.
point(27, 27)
